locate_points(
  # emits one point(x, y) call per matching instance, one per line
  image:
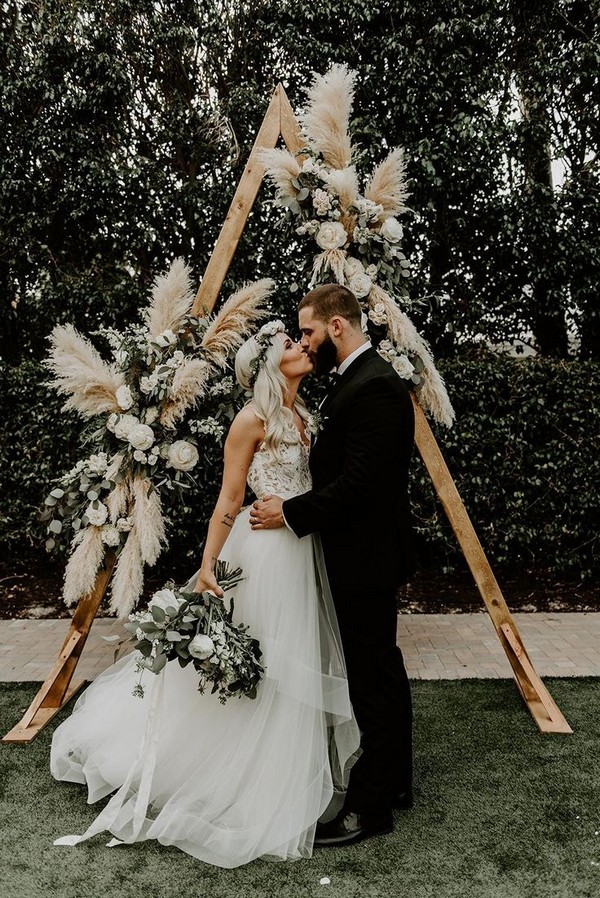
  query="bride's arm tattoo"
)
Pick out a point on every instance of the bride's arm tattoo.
point(228, 519)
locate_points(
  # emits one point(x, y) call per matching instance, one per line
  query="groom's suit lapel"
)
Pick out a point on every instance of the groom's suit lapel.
point(350, 372)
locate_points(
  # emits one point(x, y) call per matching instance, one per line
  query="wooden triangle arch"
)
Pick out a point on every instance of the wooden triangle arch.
point(280, 121)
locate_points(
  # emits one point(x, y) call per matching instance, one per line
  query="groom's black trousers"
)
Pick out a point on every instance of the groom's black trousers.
point(380, 695)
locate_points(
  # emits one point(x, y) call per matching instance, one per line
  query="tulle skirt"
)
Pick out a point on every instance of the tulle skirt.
point(226, 783)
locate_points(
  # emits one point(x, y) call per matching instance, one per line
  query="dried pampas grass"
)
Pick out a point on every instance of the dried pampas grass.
point(82, 567)
point(281, 167)
point(234, 321)
point(81, 373)
point(172, 298)
point(432, 395)
point(148, 521)
point(117, 501)
point(189, 384)
point(128, 578)
point(326, 119)
point(332, 259)
point(387, 186)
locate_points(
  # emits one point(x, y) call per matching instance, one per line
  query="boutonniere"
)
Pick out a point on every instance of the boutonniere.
point(315, 423)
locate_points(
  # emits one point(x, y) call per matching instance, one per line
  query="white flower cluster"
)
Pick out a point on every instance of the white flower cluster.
point(222, 387)
point(207, 427)
point(377, 314)
point(399, 362)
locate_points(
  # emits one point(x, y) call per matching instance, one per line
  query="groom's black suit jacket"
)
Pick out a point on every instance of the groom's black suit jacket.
point(359, 464)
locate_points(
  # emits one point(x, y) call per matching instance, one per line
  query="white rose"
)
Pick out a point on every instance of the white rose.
point(97, 464)
point(308, 165)
point(165, 598)
point(124, 525)
point(402, 366)
point(353, 267)
point(167, 338)
point(182, 455)
point(124, 398)
point(151, 415)
point(147, 384)
point(331, 235)
point(378, 314)
point(360, 285)
point(97, 516)
point(141, 436)
point(110, 535)
point(140, 456)
point(111, 421)
point(124, 425)
point(391, 230)
point(201, 647)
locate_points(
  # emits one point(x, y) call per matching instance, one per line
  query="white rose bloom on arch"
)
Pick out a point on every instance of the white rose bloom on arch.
point(141, 436)
point(360, 285)
point(331, 235)
point(183, 456)
point(124, 425)
point(124, 398)
point(392, 230)
point(402, 366)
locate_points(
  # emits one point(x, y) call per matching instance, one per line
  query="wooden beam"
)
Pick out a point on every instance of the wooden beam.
point(541, 704)
point(57, 690)
point(240, 207)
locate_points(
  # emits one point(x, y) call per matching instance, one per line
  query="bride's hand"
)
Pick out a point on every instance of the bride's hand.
point(207, 582)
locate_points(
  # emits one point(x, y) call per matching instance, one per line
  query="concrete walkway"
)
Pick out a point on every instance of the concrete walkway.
point(435, 646)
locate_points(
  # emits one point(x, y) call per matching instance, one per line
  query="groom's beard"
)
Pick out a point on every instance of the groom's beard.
point(325, 357)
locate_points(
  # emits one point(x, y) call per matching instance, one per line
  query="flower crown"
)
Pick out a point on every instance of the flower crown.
point(264, 339)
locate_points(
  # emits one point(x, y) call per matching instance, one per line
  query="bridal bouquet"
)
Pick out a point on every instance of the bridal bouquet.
point(198, 629)
point(354, 233)
point(149, 407)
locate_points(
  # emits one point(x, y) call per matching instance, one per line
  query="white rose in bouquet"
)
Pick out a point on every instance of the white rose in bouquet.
point(402, 366)
point(386, 350)
point(124, 425)
point(110, 535)
point(201, 647)
point(321, 201)
point(165, 598)
point(353, 267)
point(182, 455)
point(391, 230)
point(124, 398)
point(97, 516)
point(360, 285)
point(331, 235)
point(124, 525)
point(141, 436)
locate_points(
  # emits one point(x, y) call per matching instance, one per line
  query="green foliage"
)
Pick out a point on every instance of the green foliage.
point(524, 454)
point(125, 125)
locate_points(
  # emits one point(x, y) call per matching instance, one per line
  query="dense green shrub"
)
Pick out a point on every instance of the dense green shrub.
point(524, 453)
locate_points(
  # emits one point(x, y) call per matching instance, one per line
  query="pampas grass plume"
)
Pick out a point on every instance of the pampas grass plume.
point(82, 374)
point(82, 567)
point(172, 298)
point(148, 521)
point(189, 384)
point(242, 310)
point(387, 186)
point(128, 578)
point(327, 116)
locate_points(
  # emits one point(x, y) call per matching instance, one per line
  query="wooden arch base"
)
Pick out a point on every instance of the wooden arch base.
point(56, 691)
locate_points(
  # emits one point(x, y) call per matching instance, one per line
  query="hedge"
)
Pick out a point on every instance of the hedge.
point(524, 454)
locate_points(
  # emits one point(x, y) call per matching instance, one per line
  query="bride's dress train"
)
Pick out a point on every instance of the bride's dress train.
point(228, 783)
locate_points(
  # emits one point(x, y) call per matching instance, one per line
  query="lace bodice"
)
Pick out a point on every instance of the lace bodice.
point(286, 476)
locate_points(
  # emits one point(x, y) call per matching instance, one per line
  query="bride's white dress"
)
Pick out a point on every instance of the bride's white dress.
point(228, 783)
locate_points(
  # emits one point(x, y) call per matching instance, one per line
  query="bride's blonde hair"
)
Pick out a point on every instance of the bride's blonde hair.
point(257, 370)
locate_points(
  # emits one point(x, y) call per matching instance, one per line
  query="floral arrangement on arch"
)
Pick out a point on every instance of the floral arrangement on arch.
point(358, 235)
point(144, 432)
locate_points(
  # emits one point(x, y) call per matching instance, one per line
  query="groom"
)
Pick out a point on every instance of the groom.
point(359, 506)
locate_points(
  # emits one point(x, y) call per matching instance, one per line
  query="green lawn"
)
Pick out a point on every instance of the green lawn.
point(502, 812)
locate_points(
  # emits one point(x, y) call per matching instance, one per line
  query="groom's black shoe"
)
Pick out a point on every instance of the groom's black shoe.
point(403, 801)
point(349, 827)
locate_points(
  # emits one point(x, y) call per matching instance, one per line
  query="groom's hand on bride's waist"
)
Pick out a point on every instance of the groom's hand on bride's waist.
point(267, 514)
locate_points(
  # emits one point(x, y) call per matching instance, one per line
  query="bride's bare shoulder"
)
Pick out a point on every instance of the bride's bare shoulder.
point(247, 425)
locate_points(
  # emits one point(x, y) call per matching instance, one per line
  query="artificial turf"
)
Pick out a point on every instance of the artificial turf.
point(501, 812)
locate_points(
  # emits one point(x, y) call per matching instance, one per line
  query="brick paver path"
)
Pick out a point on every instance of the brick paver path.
point(435, 646)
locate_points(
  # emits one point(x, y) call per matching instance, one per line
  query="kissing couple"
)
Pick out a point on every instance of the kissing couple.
point(323, 755)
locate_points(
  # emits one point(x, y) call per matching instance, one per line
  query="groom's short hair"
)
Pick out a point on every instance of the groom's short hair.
point(329, 300)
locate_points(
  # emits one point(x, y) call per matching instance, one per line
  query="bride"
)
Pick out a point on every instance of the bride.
point(230, 783)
